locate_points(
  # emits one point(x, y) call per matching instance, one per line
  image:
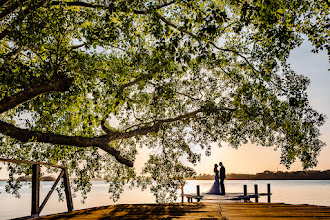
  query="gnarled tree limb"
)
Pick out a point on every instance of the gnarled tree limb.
point(8, 10)
point(56, 84)
point(89, 5)
point(25, 135)
point(102, 141)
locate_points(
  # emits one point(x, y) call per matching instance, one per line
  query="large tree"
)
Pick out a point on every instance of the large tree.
point(85, 83)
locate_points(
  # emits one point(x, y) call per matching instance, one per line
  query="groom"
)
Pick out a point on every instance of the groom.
point(222, 178)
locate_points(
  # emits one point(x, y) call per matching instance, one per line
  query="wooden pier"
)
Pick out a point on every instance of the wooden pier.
point(228, 197)
point(209, 206)
point(199, 210)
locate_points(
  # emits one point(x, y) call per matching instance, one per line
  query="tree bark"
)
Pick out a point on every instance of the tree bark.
point(56, 84)
point(25, 135)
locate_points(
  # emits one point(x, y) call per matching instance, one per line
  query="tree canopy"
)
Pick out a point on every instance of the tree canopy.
point(86, 83)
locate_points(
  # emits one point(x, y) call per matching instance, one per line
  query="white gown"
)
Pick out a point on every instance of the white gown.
point(215, 189)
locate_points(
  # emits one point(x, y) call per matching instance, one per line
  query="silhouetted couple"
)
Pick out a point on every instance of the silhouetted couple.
point(215, 189)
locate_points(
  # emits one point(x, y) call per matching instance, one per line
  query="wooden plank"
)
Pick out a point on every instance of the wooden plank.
point(144, 211)
point(30, 162)
point(274, 211)
point(199, 210)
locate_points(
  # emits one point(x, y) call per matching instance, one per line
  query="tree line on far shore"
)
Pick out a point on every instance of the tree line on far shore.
point(266, 175)
point(269, 175)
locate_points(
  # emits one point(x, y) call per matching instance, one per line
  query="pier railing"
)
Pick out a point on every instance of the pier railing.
point(256, 195)
point(230, 196)
point(35, 208)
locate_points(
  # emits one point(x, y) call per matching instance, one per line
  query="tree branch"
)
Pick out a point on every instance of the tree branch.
point(107, 130)
point(73, 47)
point(180, 117)
point(9, 9)
point(158, 122)
point(20, 17)
point(212, 43)
point(180, 93)
point(56, 84)
point(123, 86)
point(89, 5)
point(78, 3)
point(3, 2)
point(175, 26)
point(25, 135)
point(139, 131)
point(191, 114)
point(154, 8)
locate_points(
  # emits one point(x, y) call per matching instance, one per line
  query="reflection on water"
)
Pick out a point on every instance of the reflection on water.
point(314, 192)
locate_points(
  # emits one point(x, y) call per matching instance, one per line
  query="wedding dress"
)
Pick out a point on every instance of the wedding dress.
point(215, 189)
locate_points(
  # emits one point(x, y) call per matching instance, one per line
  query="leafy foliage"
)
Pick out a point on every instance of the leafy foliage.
point(84, 83)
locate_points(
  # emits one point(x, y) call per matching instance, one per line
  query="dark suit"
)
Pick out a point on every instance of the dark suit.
point(222, 178)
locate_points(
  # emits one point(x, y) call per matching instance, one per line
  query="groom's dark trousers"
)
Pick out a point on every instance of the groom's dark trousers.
point(222, 178)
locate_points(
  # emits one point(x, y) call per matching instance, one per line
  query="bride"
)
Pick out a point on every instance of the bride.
point(215, 189)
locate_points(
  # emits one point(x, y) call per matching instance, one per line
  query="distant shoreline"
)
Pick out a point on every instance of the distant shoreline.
point(254, 179)
point(3, 180)
point(269, 175)
point(266, 175)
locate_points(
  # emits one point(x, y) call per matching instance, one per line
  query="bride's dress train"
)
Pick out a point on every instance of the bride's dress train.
point(215, 189)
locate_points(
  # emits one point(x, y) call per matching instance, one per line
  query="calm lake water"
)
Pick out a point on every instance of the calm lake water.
point(313, 192)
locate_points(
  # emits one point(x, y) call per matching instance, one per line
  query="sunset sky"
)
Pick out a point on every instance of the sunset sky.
point(253, 159)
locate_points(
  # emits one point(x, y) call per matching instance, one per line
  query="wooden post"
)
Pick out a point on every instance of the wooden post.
point(68, 196)
point(182, 190)
point(35, 190)
point(268, 192)
point(51, 191)
point(245, 192)
point(35, 208)
point(256, 193)
point(198, 193)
